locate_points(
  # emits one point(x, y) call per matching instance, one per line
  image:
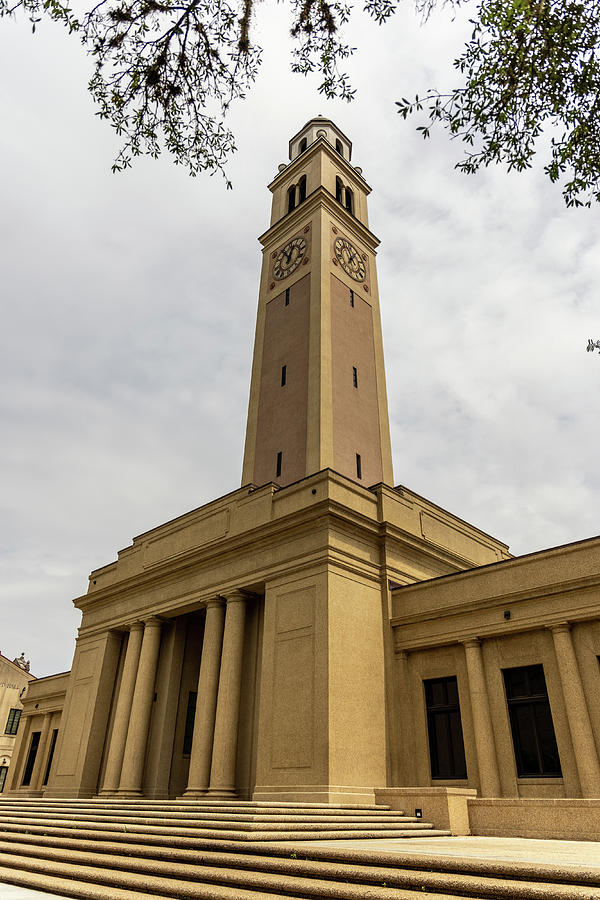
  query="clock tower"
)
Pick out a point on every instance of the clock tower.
point(318, 395)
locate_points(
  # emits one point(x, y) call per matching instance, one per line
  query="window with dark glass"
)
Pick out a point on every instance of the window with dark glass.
point(339, 147)
point(12, 723)
point(302, 189)
point(444, 728)
point(339, 189)
point(534, 741)
point(283, 376)
point(3, 773)
point(355, 376)
point(358, 466)
point(302, 146)
point(291, 198)
point(349, 200)
point(50, 756)
point(279, 462)
point(190, 715)
point(33, 749)
point(351, 298)
point(287, 297)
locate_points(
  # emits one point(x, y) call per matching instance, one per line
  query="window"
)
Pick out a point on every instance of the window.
point(291, 198)
point(339, 189)
point(283, 376)
point(287, 297)
point(50, 756)
point(444, 728)
point(302, 146)
point(339, 147)
point(536, 753)
point(349, 201)
point(302, 189)
point(12, 723)
point(355, 376)
point(279, 461)
point(33, 749)
point(3, 771)
point(190, 715)
point(358, 466)
point(351, 298)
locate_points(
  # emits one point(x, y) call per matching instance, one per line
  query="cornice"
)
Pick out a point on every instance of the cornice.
point(298, 217)
point(320, 145)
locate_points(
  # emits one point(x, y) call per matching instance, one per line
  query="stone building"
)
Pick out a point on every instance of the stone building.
point(14, 680)
point(319, 634)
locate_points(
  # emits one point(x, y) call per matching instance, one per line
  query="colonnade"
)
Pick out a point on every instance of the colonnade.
point(580, 727)
point(213, 755)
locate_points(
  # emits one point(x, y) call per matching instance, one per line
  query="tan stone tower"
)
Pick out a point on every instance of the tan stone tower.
point(318, 396)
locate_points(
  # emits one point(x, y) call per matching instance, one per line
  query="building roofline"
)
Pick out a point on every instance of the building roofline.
point(500, 562)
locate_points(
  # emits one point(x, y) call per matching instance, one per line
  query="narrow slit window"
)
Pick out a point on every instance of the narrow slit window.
point(287, 297)
point(292, 198)
point(358, 466)
point(279, 462)
point(283, 376)
point(339, 147)
point(302, 189)
point(351, 298)
point(349, 201)
point(190, 715)
point(33, 749)
point(355, 376)
point(339, 189)
point(50, 756)
point(3, 774)
point(303, 144)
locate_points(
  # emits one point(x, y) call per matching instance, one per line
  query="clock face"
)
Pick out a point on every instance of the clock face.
point(350, 259)
point(289, 258)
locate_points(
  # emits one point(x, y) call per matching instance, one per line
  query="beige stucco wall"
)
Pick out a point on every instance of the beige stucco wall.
point(512, 609)
point(14, 683)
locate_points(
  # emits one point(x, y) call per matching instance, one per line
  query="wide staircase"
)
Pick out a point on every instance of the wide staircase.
point(154, 850)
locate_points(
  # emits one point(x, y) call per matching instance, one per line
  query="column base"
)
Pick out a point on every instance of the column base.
point(129, 795)
point(221, 794)
point(193, 794)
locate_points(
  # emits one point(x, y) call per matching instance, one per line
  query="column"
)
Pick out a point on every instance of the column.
point(112, 774)
point(582, 736)
point(222, 772)
point(482, 721)
point(141, 709)
point(206, 704)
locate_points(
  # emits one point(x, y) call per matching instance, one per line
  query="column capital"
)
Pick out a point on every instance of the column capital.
point(153, 622)
point(235, 596)
point(472, 642)
point(214, 601)
point(559, 628)
point(136, 626)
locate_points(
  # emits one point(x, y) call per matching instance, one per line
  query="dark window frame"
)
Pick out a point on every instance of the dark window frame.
point(12, 723)
point(355, 377)
point(531, 724)
point(34, 746)
point(351, 298)
point(190, 715)
point(50, 756)
point(444, 729)
point(3, 774)
point(279, 464)
point(286, 302)
point(283, 376)
point(358, 466)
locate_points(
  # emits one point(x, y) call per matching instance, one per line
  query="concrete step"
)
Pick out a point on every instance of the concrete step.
point(179, 875)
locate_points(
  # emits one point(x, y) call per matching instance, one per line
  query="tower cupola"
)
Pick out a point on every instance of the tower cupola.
point(316, 128)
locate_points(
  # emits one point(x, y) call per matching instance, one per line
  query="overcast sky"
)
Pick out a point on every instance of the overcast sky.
point(129, 302)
